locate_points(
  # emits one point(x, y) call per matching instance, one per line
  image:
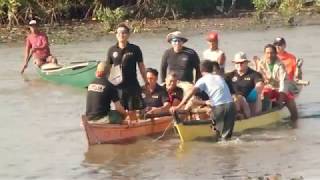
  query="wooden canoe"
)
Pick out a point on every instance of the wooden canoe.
point(78, 74)
point(118, 133)
point(193, 129)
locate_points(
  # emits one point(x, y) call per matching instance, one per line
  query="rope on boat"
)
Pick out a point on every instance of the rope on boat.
point(164, 132)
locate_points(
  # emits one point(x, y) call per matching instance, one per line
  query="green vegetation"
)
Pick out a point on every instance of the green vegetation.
point(111, 12)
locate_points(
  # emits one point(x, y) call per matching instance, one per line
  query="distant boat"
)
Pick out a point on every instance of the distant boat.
point(77, 74)
point(189, 130)
point(119, 133)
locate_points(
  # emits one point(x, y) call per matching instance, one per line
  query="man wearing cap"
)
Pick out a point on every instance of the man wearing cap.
point(220, 100)
point(179, 59)
point(276, 80)
point(288, 59)
point(247, 85)
point(37, 45)
point(99, 96)
point(214, 53)
point(127, 56)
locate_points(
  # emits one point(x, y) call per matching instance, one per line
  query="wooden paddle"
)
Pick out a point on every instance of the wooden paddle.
point(26, 65)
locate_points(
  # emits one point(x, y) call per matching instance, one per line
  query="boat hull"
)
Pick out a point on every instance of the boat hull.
point(119, 133)
point(78, 74)
point(190, 131)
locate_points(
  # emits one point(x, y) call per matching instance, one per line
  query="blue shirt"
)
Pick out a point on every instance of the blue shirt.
point(216, 88)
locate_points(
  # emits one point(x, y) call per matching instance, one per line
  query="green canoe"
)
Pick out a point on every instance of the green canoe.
point(77, 74)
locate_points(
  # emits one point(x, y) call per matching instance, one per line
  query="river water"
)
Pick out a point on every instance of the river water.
point(41, 137)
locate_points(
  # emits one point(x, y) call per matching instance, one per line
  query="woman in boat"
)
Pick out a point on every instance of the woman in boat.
point(214, 53)
point(128, 56)
point(276, 81)
point(99, 96)
point(37, 45)
point(220, 99)
point(155, 96)
point(247, 85)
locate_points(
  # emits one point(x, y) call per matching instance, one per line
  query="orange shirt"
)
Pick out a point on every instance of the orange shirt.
point(289, 61)
point(40, 41)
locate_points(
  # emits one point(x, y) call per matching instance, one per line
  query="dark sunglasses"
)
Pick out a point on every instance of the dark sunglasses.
point(175, 40)
point(240, 62)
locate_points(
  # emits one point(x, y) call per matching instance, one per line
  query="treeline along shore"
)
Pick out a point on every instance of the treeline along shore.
point(65, 20)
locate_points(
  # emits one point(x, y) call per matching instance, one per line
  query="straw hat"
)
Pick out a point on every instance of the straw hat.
point(240, 57)
point(178, 35)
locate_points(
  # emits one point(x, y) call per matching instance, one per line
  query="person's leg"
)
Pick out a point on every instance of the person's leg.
point(39, 62)
point(217, 118)
point(244, 106)
point(229, 119)
point(292, 107)
point(52, 59)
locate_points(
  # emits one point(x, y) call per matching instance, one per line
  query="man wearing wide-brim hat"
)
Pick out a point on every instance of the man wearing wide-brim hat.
point(246, 86)
point(37, 46)
point(179, 59)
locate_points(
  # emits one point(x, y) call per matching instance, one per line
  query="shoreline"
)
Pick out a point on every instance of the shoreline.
point(90, 30)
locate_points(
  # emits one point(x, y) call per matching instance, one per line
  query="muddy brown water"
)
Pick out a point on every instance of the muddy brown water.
point(41, 137)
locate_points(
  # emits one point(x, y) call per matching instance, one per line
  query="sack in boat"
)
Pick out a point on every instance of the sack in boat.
point(115, 76)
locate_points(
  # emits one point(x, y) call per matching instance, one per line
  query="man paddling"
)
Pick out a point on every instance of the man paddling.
point(220, 99)
point(37, 45)
point(99, 96)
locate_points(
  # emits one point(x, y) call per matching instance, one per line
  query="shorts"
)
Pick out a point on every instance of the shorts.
point(252, 96)
point(275, 94)
point(131, 99)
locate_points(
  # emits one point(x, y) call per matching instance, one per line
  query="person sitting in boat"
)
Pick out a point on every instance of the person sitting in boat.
point(99, 96)
point(214, 53)
point(175, 93)
point(37, 45)
point(276, 81)
point(247, 85)
point(220, 100)
point(155, 96)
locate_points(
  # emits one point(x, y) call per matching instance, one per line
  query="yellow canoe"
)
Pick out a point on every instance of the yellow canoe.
point(193, 129)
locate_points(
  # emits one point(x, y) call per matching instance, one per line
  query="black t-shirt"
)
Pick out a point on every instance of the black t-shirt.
point(177, 93)
point(181, 63)
point(128, 57)
point(244, 84)
point(156, 98)
point(99, 96)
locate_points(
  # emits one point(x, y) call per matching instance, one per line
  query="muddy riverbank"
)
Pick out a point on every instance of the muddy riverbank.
point(93, 30)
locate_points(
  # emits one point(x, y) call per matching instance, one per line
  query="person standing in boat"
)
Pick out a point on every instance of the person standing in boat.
point(214, 53)
point(247, 85)
point(220, 100)
point(276, 81)
point(180, 59)
point(100, 93)
point(155, 96)
point(37, 45)
point(127, 56)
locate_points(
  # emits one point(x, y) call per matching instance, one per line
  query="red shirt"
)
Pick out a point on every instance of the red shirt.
point(39, 40)
point(289, 61)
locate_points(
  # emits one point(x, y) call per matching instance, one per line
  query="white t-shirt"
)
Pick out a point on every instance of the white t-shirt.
point(213, 55)
point(216, 88)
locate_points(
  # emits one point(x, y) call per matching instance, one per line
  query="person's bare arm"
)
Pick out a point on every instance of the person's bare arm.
point(142, 69)
point(27, 56)
point(185, 99)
